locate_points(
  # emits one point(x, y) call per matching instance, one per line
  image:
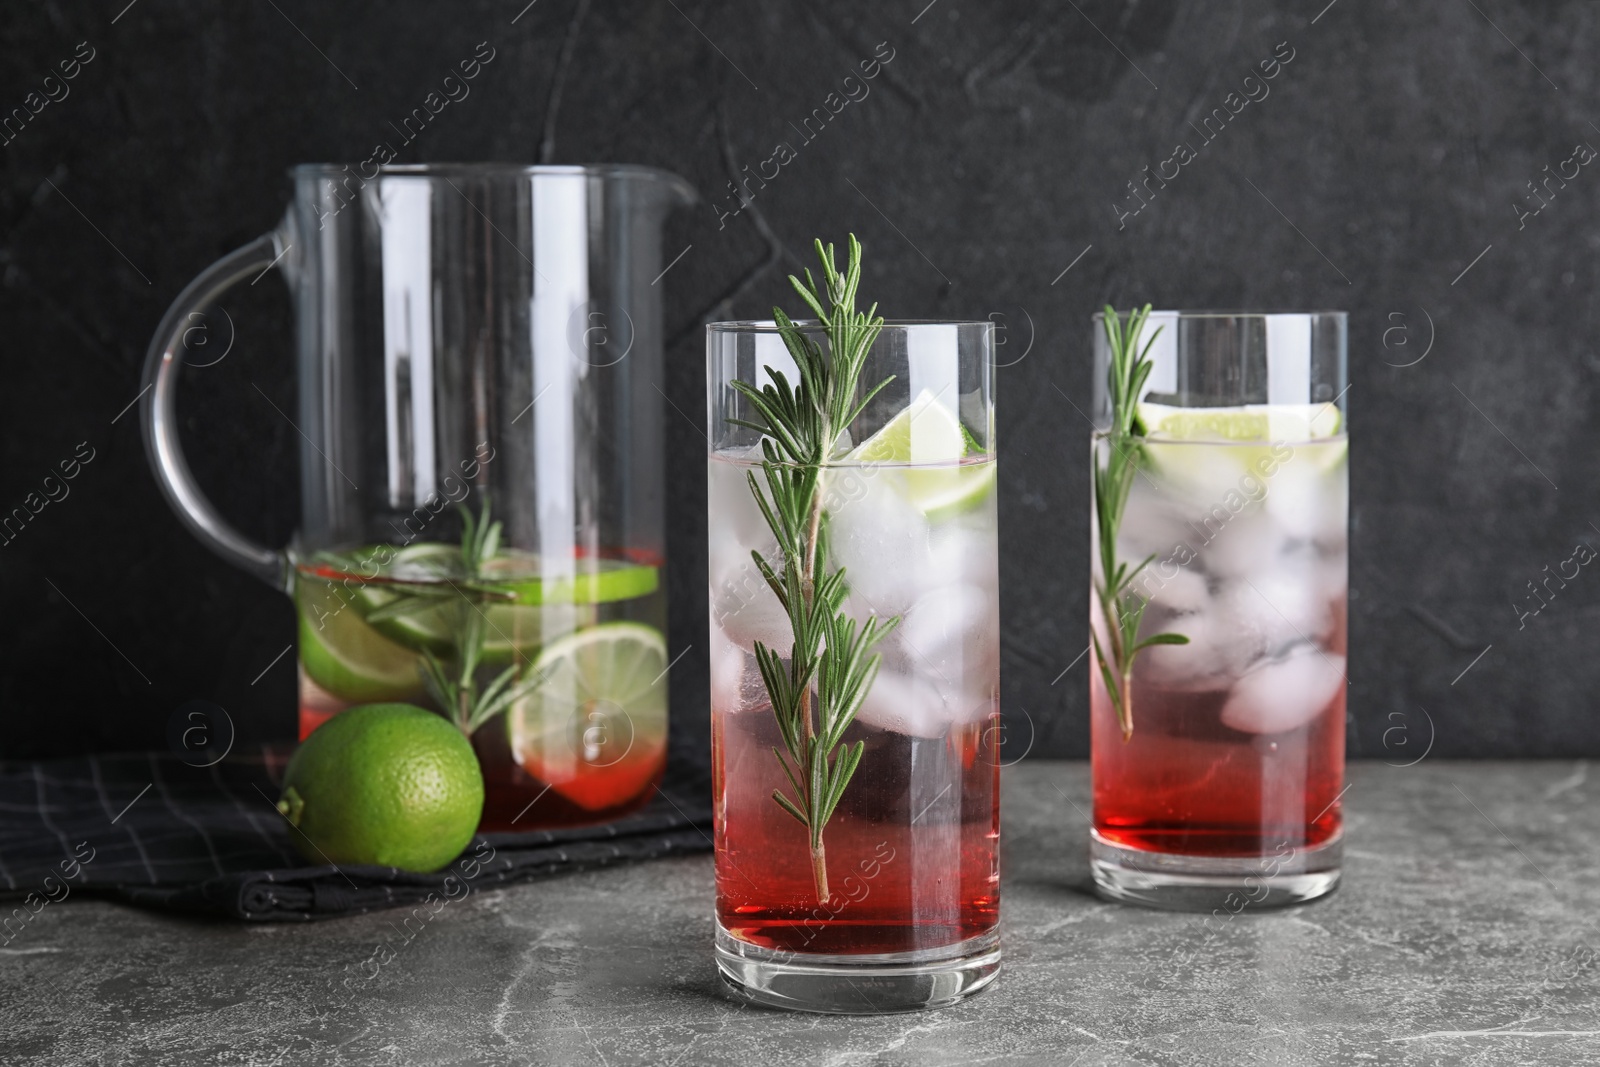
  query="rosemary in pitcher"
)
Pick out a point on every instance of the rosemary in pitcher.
point(456, 598)
point(1122, 608)
point(830, 664)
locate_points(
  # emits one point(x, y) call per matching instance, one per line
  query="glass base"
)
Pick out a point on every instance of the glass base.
point(1178, 882)
point(880, 984)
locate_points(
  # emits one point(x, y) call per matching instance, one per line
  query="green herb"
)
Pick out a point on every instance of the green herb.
point(458, 596)
point(831, 654)
point(1122, 608)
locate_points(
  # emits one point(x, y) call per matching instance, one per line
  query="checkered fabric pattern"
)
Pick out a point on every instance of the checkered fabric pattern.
point(153, 830)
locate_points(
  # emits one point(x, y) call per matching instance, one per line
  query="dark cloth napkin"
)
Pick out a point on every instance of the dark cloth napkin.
point(153, 830)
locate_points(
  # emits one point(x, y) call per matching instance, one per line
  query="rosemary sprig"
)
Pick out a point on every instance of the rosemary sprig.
point(831, 654)
point(452, 682)
point(1121, 607)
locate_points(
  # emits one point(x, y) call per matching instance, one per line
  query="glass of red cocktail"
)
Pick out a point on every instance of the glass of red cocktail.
point(1218, 609)
point(854, 660)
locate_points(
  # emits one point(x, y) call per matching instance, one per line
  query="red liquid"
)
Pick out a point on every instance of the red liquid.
point(1188, 784)
point(911, 849)
point(516, 798)
point(312, 717)
point(1238, 736)
point(574, 794)
point(350, 655)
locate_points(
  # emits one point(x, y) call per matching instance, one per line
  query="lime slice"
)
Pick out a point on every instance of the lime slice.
point(927, 433)
point(592, 581)
point(427, 627)
point(584, 581)
point(1252, 422)
point(511, 631)
point(924, 432)
point(954, 491)
point(345, 656)
point(595, 727)
point(1306, 436)
point(435, 622)
point(533, 609)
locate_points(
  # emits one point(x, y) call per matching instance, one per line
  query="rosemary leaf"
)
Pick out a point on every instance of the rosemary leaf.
point(1123, 608)
point(802, 423)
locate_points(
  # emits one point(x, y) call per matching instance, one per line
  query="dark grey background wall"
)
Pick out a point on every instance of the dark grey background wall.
point(1386, 172)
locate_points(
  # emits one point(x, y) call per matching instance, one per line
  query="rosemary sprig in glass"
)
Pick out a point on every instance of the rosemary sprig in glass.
point(1122, 607)
point(832, 657)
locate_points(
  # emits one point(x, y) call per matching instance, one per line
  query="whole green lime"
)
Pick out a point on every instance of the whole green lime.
point(387, 784)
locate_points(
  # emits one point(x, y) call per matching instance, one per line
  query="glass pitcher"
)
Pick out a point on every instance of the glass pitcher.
point(479, 374)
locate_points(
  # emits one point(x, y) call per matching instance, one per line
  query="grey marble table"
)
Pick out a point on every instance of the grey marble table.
point(1467, 931)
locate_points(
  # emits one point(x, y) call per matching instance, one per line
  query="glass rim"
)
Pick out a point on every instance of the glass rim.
point(771, 326)
point(498, 169)
point(1202, 313)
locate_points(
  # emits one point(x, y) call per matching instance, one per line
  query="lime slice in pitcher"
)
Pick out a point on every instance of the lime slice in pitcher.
point(510, 632)
point(928, 433)
point(587, 581)
point(413, 621)
point(351, 660)
point(515, 622)
point(594, 727)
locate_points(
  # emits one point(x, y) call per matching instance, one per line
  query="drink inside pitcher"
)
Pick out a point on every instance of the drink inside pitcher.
point(501, 312)
point(556, 669)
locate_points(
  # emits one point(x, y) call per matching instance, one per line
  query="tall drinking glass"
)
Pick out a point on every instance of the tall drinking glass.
point(1218, 786)
point(478, 368)
point(896, 906)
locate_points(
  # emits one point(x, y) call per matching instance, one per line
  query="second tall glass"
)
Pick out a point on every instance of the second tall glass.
point(1218, 710)
point(895, 906)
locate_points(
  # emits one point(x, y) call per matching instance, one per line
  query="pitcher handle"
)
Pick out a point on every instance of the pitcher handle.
point(160, 412)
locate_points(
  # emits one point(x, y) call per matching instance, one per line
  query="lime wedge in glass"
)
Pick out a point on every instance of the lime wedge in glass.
point(1252, 422)
point(1266, 437)
point(928, 433)
point(594, 726)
